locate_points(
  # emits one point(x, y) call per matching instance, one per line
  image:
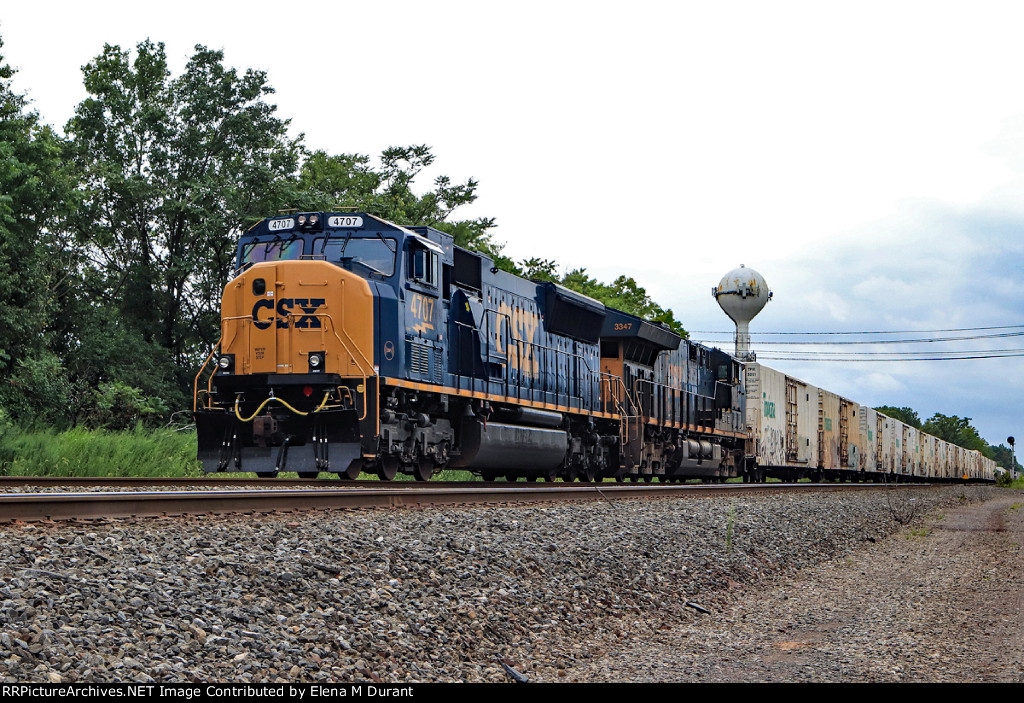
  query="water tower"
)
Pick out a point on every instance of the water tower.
point(742, 293)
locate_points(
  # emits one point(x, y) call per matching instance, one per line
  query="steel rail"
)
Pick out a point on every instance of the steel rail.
point(123, 504)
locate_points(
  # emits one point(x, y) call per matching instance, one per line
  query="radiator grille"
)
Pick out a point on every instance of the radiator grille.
point(419, 358)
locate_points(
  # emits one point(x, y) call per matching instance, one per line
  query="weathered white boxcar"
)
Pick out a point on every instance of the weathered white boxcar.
point(782, 419)
point(839, 445)
point(870, 440)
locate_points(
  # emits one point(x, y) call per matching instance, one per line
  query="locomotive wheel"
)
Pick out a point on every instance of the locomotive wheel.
point(511, 477)
point(266, 474)
point(634, 478)
point(308, 474)
point(423, 469)
point(488, 475)
point(532, 478)
point(551, 475)
point(355, 468)
point(588, 473)
point(388, 468)
point(648, 478)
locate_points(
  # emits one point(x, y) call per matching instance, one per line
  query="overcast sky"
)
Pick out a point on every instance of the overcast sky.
point(866, 157)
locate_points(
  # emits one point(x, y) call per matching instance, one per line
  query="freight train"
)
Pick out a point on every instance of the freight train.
point(350, 344)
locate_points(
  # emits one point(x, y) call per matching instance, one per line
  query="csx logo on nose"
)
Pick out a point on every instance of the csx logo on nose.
point(308, 306)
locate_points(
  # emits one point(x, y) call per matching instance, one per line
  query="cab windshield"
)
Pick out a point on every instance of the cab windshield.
point(286, 250)
point(377, 253)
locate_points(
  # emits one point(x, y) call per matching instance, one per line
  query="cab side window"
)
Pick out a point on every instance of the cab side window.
point(423, 265)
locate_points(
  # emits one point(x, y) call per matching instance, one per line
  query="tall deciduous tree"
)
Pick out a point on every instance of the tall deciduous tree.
point(957, 430)
point(174, 169)
point(35, 194)
point(327, 182)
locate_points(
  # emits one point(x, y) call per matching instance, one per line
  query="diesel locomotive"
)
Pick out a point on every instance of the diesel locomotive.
point(352, 344)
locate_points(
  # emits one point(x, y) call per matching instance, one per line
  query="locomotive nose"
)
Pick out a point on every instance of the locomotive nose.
point(291, 385)
point(299, 317)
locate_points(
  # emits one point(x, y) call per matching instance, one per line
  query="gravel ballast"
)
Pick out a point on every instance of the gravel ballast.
point(584, 592)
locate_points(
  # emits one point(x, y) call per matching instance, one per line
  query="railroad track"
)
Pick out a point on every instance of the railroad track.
point(52, 506)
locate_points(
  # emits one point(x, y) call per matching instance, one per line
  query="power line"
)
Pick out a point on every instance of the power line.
point(958, 329)
point(768, 350)
point(931, 340)
point(769, 357)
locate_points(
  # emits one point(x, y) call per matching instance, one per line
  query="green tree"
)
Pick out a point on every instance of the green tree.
point(173, 168)
point(540, 270)
point(327, 182)
point(956, 430)
point(905, 415)
point(36, 192)
point(1004, 456)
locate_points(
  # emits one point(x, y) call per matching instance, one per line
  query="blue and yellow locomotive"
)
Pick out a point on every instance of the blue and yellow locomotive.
point(353, 344)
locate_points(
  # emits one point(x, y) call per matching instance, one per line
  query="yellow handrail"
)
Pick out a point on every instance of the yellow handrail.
point(195, 384)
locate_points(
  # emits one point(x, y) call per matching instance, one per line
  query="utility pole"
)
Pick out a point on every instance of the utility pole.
point(1013, 459)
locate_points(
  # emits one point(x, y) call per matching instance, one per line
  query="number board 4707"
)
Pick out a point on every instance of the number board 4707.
point(344, 221)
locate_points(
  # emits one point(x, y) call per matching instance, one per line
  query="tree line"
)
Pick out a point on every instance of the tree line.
point(118, 236)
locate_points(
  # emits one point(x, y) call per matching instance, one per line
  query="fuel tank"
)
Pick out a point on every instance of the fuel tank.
point(498, 446)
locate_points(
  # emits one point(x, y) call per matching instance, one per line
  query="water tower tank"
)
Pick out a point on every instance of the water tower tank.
point(742, 293)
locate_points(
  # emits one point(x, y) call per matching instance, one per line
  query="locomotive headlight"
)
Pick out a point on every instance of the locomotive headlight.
point(302, 219)
point(316, 362)
point(313, 219)
point(226, 363)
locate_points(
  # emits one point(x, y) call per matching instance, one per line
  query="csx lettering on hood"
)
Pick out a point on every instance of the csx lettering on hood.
point(306, 311)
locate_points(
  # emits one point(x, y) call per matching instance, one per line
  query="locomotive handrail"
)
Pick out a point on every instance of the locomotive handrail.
point(195, 384)
point(459, 330)
point(373, 372)
point(507, 329)
point(603, 378)
point(682, 391)
point(569, 397)
point(623, 427)
point(491, 344)
point(209, 381)
point(507, 341)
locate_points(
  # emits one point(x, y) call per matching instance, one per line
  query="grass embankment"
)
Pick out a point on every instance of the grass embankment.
point(140, 452)
point(82, 452)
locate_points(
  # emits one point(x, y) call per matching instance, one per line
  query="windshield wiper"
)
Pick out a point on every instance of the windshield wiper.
point(341, 254)
point(380, 235)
